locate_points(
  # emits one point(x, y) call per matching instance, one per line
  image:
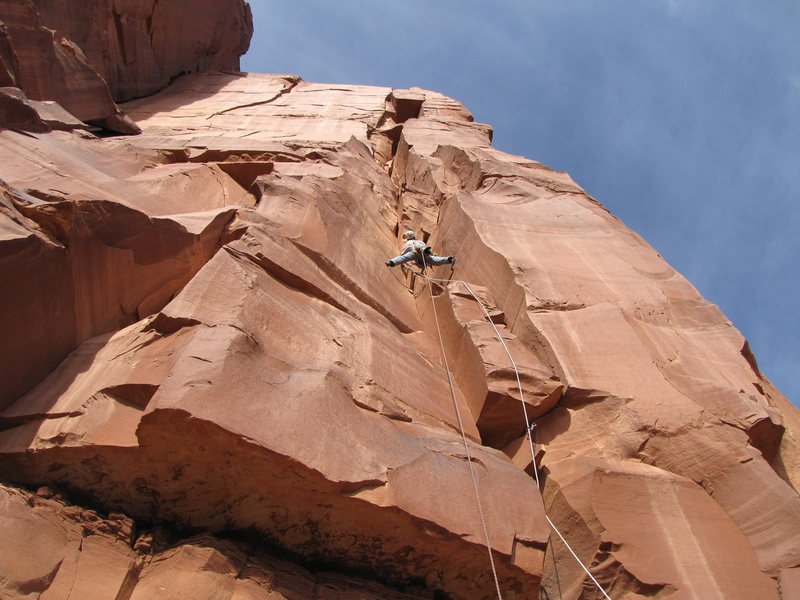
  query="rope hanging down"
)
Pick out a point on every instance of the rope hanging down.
point(464, 440)
point(530, 424)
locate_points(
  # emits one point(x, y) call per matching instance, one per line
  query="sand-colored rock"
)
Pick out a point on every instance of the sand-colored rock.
point(17, 112)
point(609, 317)
point(50, 66)
point(86, 56)
point(289, 325)
point(204, 345)
point(137, 47)
point(9, 65)
point(692, 549)
point(485, 359)
point(789, 583)
point(101, 265)
point(65, 552)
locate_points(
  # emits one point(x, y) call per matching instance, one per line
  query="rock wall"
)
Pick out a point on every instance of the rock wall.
point(87, 55)
point(139, 46)
point(215, 388)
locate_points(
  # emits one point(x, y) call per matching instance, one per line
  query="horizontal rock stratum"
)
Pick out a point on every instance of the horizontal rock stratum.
point(213, 387)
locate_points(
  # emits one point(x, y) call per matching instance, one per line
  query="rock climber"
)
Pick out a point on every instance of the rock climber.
point(415, 249)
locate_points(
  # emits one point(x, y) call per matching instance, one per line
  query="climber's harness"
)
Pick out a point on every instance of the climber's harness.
point(419, 256)
point(419, 259)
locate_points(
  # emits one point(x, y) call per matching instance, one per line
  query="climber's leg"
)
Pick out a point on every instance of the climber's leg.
point(399, 260)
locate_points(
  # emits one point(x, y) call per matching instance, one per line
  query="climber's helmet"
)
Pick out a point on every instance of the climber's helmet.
point(409, 235)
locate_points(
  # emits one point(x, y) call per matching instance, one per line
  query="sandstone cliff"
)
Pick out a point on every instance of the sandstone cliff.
point(87, 55)
point(214, 388)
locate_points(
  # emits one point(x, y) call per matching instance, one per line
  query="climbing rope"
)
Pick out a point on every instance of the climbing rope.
point(530, 424)
point(464, 440)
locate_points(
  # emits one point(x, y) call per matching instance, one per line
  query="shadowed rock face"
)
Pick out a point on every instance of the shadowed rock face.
point(88, 55)
point(206, 356)
point(138, 46)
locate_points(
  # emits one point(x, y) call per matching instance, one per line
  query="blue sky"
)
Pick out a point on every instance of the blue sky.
point(680, 116)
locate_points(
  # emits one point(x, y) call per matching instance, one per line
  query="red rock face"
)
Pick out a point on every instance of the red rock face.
point(9, 65)
point(52, 67)
point(87, 55)
point(234, 398)
point(138, 46)
point(71, 552)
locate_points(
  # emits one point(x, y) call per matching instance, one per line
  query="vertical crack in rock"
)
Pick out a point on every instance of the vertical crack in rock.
point(420, 170)
point(279, 408)
point(483, 370)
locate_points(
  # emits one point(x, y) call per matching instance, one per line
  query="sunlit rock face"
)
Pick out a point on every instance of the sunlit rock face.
point(213, 387)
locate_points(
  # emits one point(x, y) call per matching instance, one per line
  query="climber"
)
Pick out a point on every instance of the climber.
point(415, 249)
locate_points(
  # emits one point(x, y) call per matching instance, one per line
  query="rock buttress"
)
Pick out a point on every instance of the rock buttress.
point(287, 387)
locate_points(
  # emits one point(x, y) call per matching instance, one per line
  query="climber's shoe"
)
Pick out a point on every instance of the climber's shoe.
point(452, 260)
point(389, 263)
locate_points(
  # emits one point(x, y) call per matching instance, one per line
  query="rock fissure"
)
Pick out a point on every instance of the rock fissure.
point(280, 408)
point(291, 84)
